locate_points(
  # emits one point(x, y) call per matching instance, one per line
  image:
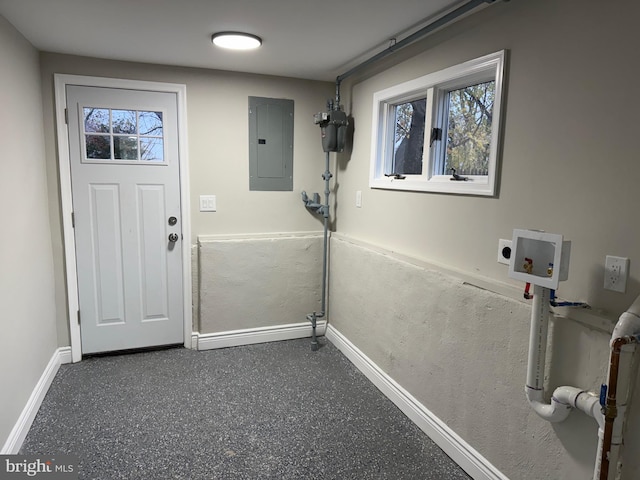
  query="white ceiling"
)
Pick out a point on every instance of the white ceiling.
point(314, 39)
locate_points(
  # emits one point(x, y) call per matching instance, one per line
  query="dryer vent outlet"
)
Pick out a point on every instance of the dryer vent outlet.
point(504, 251)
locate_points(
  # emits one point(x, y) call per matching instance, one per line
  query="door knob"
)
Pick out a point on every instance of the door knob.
point(173, 237)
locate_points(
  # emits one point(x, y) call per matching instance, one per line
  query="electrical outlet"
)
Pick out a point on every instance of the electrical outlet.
point(616, 272)
point(504, 251)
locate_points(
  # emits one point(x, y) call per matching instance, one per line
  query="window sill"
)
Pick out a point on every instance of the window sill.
point(475, 186)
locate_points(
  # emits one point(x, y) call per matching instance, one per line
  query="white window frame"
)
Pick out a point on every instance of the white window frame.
point(435, 86)
point(111, 135)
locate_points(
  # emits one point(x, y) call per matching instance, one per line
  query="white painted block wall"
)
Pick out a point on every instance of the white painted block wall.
point(462, 352)
point(258, 281)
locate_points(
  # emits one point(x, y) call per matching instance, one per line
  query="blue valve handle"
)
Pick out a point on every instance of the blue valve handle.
point(603, 394)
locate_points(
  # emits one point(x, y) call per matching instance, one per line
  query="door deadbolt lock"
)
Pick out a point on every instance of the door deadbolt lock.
point(173, 221)
point(173, 237)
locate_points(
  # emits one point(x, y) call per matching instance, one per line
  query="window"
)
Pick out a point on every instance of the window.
point(440, 132)
point(122, 136)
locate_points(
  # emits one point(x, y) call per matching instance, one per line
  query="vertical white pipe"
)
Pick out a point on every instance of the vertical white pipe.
point(625, 379)
point(628, 324)
point(596, 470)
point(563, 398)
point(566, 398)
point(538, 338)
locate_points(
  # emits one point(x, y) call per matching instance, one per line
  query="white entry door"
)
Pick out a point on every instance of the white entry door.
point(126, 200)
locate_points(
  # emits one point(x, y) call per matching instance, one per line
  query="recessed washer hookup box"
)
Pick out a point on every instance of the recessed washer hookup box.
point(539, 258)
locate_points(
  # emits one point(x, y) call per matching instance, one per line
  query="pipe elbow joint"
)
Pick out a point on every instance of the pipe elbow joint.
point(628, 325)
point(556, 411)
point(559, 411)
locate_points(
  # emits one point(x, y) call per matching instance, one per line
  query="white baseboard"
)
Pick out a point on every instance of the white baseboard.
point(64, 355)
point(249, 336)
point(460, 452)
point(21, 428)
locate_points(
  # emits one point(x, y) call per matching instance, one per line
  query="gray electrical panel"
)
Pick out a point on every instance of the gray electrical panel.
point(270, 144)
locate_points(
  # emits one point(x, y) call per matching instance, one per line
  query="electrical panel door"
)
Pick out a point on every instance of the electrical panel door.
point(270, 144)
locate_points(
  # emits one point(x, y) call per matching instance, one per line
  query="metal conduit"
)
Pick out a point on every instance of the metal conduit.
point(440, 22)
point(323, 209)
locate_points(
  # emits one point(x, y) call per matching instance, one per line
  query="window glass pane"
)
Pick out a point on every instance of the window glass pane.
point(96, 119)
point(151, 149)
point(124, 121)
point(98, 147)
point(408, 140)
point(150, 123)
point(469, 129)
point(125, 148)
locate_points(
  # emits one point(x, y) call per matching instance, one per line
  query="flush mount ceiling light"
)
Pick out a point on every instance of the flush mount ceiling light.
point(236, 40)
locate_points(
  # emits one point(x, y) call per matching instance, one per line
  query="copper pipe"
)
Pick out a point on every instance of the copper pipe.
point(611, 409)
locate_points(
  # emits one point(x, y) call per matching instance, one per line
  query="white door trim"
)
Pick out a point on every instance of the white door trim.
point(60, 82)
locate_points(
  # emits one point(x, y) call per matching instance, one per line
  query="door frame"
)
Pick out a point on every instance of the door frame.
point(64, 164)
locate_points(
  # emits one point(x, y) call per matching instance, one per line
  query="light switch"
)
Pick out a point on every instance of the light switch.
point(207, 203)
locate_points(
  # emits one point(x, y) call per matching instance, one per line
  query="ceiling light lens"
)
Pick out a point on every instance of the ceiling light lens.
point(236, 40)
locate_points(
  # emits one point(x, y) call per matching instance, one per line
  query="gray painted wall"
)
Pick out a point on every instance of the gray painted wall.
point(569, 156)
point(462, 352)
point(217, 118)
point(568, 166)
point(27, 325)
point(570, 125)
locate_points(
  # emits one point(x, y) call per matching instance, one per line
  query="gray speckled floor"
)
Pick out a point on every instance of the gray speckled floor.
point(268, 411)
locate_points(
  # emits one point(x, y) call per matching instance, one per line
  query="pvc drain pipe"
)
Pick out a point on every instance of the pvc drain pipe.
point(564, 398)
point(618, 390)
point(611, 417)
